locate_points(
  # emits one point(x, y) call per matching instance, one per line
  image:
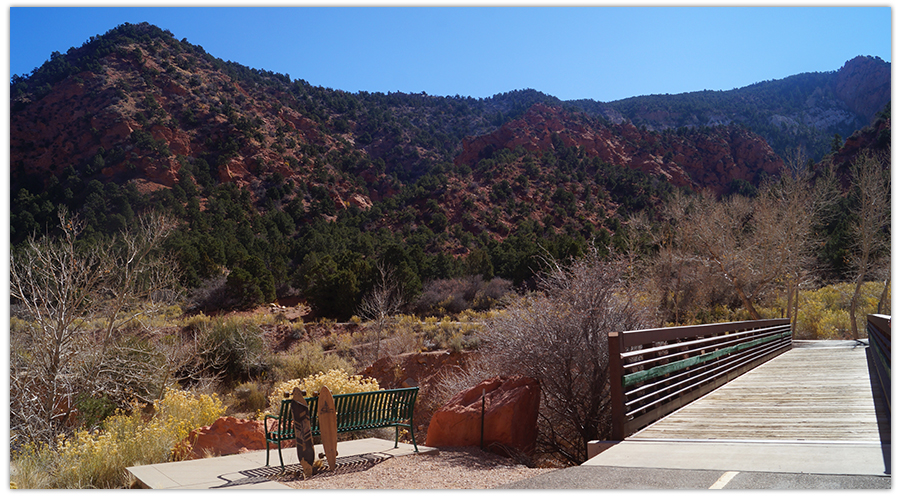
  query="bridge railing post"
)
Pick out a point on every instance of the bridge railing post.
point(878, 327)
point(617, 392)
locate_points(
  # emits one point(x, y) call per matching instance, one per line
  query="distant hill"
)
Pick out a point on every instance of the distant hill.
point(305, 187)
point(802, 110)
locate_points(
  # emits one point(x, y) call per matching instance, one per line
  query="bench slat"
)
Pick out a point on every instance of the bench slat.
point(355, 412)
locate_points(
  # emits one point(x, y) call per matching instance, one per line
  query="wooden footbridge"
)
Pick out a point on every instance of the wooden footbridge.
point(746, 397)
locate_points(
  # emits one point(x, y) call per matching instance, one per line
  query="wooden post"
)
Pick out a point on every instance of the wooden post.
point(617, 392)
point(482, 419)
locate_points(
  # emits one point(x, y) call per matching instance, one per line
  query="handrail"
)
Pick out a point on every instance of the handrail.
point(656, 371)
point(879, 329)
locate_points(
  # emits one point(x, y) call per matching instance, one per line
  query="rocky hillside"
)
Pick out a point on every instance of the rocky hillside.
point(292, 189)
point(711, 158)
point(806, 109)
point(136, 105)
point(863, 85)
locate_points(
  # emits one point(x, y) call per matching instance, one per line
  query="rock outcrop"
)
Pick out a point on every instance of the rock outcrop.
point(423, 370)
point(226, 436)
point(864, 84)
point(510, 416)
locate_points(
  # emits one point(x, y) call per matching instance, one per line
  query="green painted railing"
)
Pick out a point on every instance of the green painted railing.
point(654, 372)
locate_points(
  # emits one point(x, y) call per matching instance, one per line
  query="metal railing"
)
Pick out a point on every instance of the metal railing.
point(879, 329)
point(654, 372)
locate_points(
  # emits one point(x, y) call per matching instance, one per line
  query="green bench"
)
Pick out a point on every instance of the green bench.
point(359, 411)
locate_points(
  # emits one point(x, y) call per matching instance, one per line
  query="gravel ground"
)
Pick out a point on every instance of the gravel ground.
point(451, 468)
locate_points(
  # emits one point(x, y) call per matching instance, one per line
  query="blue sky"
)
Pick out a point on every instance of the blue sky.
point(600, 53)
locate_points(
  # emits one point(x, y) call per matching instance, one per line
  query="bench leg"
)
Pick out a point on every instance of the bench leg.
point(412, 434)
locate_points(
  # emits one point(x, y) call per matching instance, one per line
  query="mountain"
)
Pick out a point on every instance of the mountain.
point(802, 110)
point(299, 189)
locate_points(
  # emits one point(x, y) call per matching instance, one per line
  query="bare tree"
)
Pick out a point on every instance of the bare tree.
point(559, 336)
point(50, 282)
point(60, 289)
point(754, 244)
point(382, 302)
point(134, 285)
point(678, 276)
point(871, 229)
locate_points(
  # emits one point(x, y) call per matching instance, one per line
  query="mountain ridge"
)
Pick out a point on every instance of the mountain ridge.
point(306, 186)
point(806, 109)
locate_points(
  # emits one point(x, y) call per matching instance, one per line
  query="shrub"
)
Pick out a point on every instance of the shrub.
point(458, 294)
point(243, 288)
point(338, 381)
point(559, 337)
point(93, 409)
point(825, 313)
point(305, 359)
point(249, 397)
point(229, 346)
point(453, 335)
point(97, 459)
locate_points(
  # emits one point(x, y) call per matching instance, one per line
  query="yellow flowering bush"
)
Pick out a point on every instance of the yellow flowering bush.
point(825, 313)
point(98, 459)
point(337, 380)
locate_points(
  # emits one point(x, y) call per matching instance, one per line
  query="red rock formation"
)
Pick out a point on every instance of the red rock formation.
point(712, 158)
point(226, 436)
point(510, 416)
point(423, 370)
point(360, 201)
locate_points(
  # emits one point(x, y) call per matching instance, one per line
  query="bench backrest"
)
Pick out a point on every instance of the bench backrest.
point(285, 419)
point(361, 410)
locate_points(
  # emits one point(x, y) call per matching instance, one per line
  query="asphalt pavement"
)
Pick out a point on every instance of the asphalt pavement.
point(638, 478)
point(699, 465)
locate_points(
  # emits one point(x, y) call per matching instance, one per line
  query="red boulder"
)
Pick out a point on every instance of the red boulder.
point(510, 416)
point(226, 436)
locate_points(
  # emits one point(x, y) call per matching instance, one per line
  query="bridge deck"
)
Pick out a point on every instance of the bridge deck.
point(810, 410)
point(818, 393)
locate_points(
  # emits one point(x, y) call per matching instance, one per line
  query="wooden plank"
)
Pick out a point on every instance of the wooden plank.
point(692, 375)
point(651, 354)
point(706, 380)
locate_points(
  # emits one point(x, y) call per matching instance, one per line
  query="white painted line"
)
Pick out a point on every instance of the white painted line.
point(722, 481)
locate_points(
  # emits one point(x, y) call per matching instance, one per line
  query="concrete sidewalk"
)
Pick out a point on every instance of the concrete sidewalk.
point(249, 471)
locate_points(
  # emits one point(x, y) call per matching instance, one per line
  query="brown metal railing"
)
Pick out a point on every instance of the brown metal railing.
point(879, 329)
point(654, 372)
